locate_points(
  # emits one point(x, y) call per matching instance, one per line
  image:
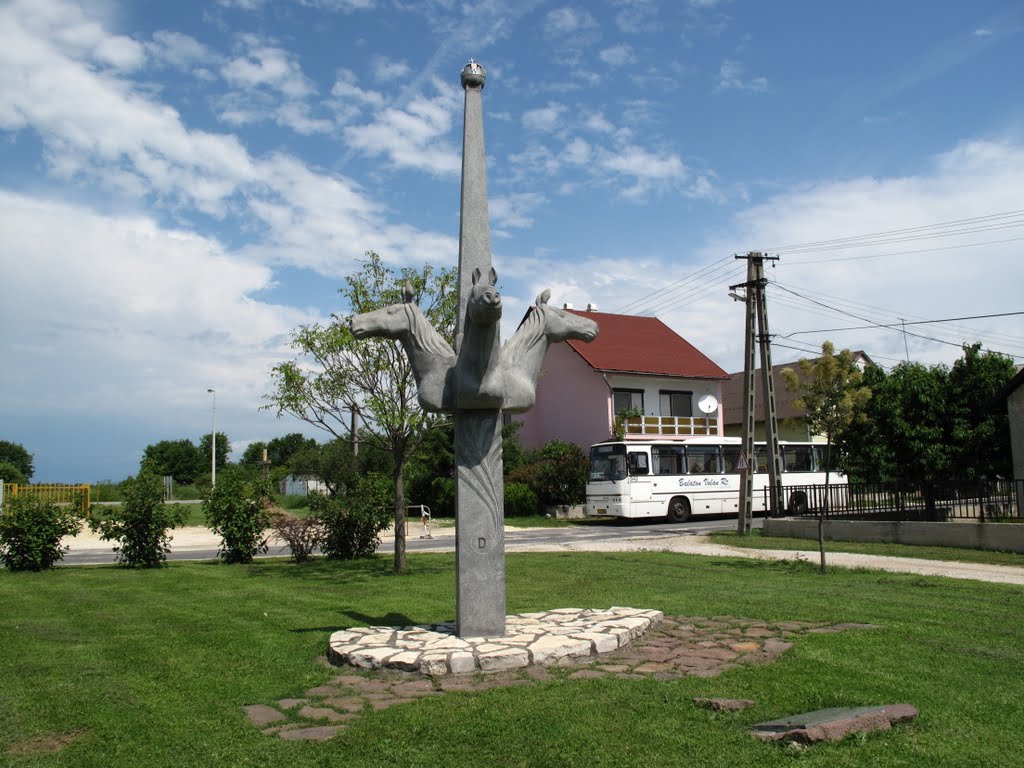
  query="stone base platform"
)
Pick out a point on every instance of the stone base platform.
point(544, 638)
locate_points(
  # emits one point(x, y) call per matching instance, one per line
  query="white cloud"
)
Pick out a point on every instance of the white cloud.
point(920, 278)
point(413, 136)
point(599, 123)
point(114, 313)
point(577, 152)
point(730, 78)
point(648, 169)
point(389, 71)
point(179, 51)
point(569, 22)
point(545, 119)
point(635, 16)
point(514, 210)
point(263, 65)
point(617, 55)
point(99, 128)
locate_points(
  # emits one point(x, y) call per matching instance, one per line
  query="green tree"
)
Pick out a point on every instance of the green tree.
point(252, 456)
point(903, 438)
point(832, 396)
point(335, 373)
point(979, 435)
point(179, 458)
point(16, 455)
point(140, 524)
point(332, 463)
point(222, 452)
point(12, 474)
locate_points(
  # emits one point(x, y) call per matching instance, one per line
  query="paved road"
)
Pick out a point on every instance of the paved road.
point(688, 538)
point(201, 544)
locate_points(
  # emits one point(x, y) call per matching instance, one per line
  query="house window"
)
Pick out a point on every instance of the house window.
point(625, 399)
point(676, 403)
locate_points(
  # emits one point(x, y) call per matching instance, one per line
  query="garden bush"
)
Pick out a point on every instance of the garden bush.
point(520, 500)
point(31, 529)
point(140, 524)
point(237, 512)
point(352, 524)
point(301, 534)
point(557, 473)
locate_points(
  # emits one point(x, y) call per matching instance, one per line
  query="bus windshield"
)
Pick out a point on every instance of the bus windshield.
point(608, 462)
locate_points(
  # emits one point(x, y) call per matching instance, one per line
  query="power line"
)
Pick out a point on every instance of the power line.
point(915, 322)
point(907, 253)
point(692, 276)
point(827, 244)
point(893, 316)
point(878, 325)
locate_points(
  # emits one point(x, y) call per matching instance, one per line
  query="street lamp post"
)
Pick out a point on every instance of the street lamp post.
point(213, 439)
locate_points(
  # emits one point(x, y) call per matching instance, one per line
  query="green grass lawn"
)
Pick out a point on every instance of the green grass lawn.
point(756, 541)
point(152, 668)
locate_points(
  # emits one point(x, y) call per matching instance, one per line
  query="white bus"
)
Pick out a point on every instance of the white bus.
point(697, 476)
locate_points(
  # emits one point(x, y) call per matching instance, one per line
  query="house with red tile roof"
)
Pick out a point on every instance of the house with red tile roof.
point(636, 364)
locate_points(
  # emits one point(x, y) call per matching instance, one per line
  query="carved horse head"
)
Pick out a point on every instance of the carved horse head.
point(523, 354)
point(430, 356)
point(484, 305)
point(560, 325)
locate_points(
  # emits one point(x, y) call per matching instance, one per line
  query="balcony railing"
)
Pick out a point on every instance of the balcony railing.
point(669, 426)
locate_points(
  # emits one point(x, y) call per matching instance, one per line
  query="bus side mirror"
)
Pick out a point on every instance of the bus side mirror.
point(637, 463)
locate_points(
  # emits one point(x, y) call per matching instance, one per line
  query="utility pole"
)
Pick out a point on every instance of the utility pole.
point(757, 312)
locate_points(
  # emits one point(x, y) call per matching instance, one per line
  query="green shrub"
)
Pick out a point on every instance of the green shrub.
point(237, 512)
point(140, 524)
point(352, 524)
point(564, 473)
point(520, 500)
point(31, 529)
point(301, 534)
point(11, 474)
point(557, 473)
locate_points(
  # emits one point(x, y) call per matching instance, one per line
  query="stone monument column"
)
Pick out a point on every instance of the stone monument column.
point(480, 513)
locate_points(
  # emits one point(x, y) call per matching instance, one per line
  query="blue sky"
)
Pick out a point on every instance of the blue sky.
point(184, 183)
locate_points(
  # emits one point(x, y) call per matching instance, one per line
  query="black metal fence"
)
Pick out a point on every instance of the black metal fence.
point(986, 500)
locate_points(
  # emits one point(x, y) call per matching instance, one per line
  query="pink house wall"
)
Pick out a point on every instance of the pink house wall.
point(573, 403)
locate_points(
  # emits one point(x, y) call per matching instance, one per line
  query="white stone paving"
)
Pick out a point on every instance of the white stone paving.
point(542, 638)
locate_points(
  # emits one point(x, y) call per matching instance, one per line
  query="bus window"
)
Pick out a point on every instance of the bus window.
point(608, 462)
point(638, 464)
point(819, 458)
point(797, 458)
point(702, 459)
point(667, 460)
point(730, 458)
point(761, 458)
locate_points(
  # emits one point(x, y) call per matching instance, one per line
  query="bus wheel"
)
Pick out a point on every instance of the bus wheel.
point(797, 503)
point(678, 510)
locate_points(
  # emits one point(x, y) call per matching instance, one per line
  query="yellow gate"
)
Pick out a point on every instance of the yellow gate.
point(56, 492)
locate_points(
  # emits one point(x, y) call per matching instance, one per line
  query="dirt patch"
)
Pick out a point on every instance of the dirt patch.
point(44, 743)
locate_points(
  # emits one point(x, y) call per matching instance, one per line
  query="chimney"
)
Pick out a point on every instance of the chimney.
point(567, 305)
point(591, 307)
